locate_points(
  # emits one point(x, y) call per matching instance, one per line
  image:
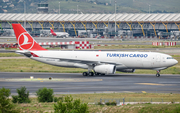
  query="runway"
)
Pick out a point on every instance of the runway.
point(68, 83)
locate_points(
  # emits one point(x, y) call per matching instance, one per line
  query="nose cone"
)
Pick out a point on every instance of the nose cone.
point(171, 62)
point(175, 62)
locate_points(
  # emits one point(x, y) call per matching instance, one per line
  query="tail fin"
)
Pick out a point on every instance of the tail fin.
point(25, 40)
point(51, 30)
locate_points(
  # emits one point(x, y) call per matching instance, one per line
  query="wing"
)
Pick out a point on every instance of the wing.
point(88, 62)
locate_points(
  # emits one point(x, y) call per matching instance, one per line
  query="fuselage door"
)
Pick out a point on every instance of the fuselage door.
point(158, 60)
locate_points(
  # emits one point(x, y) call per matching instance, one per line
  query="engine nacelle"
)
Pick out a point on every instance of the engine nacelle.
point(127, 70)
point(105, 69)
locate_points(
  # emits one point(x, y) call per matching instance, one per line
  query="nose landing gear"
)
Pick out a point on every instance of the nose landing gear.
point(158, 73)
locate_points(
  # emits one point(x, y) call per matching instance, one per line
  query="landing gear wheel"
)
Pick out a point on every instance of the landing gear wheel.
point(97, 74)
point(157, 75)
point(91, 74)
point(84, 73)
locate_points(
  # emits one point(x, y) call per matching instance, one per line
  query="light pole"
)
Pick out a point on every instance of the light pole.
point(77, 9)
point(59, 7)
point(149, 8)
point(115, 18)
point(24, 15)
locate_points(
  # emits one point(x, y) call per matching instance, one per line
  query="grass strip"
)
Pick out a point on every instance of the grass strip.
point(93, 98)
point(10, 55)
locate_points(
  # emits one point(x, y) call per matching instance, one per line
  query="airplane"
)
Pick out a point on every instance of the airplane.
point(59, 34)
point(96, 62)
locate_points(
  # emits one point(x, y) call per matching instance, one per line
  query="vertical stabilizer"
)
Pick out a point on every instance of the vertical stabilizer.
point(25, 40)
point(52, 32)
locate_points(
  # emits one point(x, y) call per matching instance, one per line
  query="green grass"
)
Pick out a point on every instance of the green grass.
point(160, 108)
point(140, 108)
point(28, 65)
point(91, 98)
point(10, 55)
point(133, 97)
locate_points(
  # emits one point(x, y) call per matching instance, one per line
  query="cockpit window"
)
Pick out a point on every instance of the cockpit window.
point(170, 58)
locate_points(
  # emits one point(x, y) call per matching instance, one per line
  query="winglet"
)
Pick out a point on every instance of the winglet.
point(25, 40)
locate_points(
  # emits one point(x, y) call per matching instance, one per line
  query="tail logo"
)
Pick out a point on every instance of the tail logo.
point(25, 41)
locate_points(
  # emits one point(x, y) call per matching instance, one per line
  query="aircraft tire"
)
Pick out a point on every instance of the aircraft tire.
point(91, 74)
point(97, 74)
point(85, 74)
point(157, 75)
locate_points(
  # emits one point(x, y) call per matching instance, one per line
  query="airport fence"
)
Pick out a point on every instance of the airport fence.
point(127, 101)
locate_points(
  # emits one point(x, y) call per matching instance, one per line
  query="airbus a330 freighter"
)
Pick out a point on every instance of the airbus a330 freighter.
point(97, 62)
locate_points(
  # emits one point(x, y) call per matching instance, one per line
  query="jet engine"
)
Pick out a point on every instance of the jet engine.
point(105, 69)
point(127, 70)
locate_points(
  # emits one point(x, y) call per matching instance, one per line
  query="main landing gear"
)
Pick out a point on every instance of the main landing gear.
point(158, 75)
point(91, 71)
point(88, 74)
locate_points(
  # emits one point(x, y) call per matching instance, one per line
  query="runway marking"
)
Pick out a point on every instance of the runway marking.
point(153, 84)
point(53, 80)
point(143, 91)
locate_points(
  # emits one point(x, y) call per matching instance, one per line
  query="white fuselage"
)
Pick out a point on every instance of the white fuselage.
point(122, 60)
point(60, 34)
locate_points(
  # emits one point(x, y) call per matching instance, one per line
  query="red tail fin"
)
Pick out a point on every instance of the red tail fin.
point(25, 41)
point(52, 30)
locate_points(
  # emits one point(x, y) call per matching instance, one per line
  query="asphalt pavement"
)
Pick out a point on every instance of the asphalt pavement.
point(70, 83)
